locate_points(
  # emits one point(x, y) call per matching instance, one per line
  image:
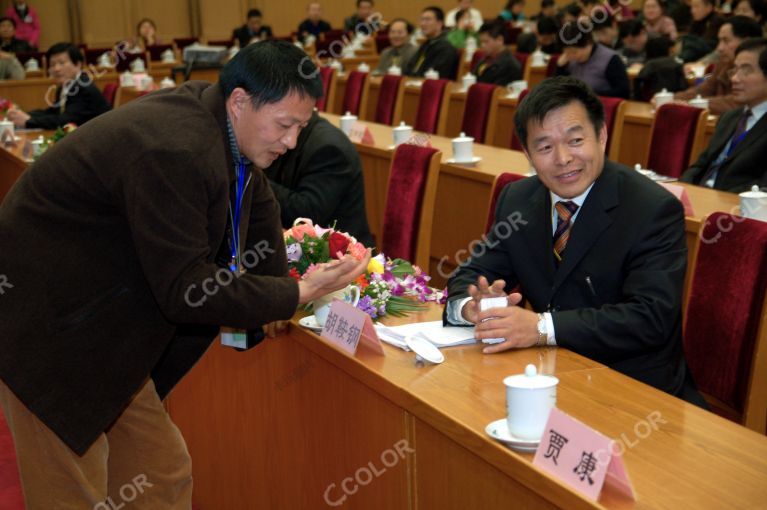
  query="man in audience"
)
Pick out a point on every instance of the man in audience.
point(8, 41)
point(76, 100)
point(313, 25)
point(735, 158)
point(606, 31)
point(634, 37)
point(548, 10)
point(717, 87)
point(401, 50)
point(498, 66)
point(435, 52)
point(322, 179)
point(360, 18)
point(127, 257)
point(598, 251)
point(252, 30)
point(475, 17)
point(10, 67)
point(27, 21)
point(600, 67)
point(547, 30)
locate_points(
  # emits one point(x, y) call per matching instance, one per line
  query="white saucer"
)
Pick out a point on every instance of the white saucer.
point(474, 161)
point(310, 322)
point(499, 430)
point(424, 349)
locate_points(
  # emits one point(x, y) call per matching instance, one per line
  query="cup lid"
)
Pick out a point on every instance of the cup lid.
point(664, 92)
point(402, 127)
point(463, 138)
point(531, 379)
point(349, 115)
point(755, 192)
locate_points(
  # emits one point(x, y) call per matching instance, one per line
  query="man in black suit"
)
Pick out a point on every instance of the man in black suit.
point(252, 30)
point(321, 179)
point(498, 66)
point(597, 250)
point(734, 159)
point(436, 52)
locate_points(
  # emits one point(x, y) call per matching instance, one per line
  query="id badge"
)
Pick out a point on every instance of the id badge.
point(237, 338)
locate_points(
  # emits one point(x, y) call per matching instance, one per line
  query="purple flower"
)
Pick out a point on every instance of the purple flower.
point(366, 305)
point(294, 252)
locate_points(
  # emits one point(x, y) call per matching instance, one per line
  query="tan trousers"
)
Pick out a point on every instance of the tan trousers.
point(140, 463)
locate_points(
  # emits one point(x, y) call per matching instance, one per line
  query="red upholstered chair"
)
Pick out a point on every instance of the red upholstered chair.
point(432, 105)
point(156, 51)
point(355, 97)
point(673, 133)
point(516, 144)
point(328, 77)
point(725, 335)
point(389, 107)
point(92, 55)
point(525, 62)
point(410, 200)
point(110, 91)
point(183, 42)
point(513, 32)
point(475, 59)
point(382, 42)
point(614, 107)
point(11, 497)
point(481, 108)
point(122, 63)
point(500, 182)
point(551, 67)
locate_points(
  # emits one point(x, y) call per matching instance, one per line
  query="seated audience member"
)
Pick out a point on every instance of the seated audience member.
point(547, 31)
point(735, 156)
point(717, 87)
point(527, 42)
point(600, 67)
point(462, 31)
point(146, 35)
point(8, 41)
point(705, 21)
point(655, 20)
point(436, 52)
point(681, 15)
point(362, 17)
point(513, 11)
point(571, 13)
point(606, 32)
point(620, 10)
point(660, 71)
point(77, 99)
point(313, 25)
point(401, 50)
point(10, 67)
point(322, 179)
point(475, 15)
point(252, 31)
point(634, 38)
point(498, 66)
point(548, 10)
point(754, 9)
point(600, 256)
point(27, 22)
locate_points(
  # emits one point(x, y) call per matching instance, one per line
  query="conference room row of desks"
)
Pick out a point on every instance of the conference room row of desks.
point(634, 138)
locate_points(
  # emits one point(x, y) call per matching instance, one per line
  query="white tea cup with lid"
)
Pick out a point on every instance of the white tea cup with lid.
point(431, 74)
point(663, 97)
point(394, 70)
point(699, 102)
point(753, 204)
point(402, 133)
point(363, 68)
point(468, 80)
point(347, 121)
point(463, 149)
point(32, 65)
point(530, 397)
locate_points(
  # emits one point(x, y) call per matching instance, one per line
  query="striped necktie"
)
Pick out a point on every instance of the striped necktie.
point(565, 211)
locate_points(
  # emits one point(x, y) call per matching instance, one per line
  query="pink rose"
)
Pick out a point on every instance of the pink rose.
point(358, 251)
point(300, 230)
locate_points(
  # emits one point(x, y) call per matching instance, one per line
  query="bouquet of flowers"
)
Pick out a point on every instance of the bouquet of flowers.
point(388, 287)
point(5, 106)
point(61, 132)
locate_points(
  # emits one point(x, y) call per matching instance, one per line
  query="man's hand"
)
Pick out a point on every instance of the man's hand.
point(275, 328)
point(332, 276)
point(477, 292)
point(18, 117)
point(518, 326)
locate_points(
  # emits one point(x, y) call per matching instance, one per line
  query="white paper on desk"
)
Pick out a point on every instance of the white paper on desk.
point(439, 335)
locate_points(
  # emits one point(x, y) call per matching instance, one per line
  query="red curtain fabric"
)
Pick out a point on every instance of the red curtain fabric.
point(477, 111)
point(500, 182)
point(551, 67)
point(427, 116)
point(725, 303)
point(387, 99)
point(353, 94)
point(672, 139)
point(516, 144)
point(611, 105)
point(11, 497)
point(382, 42)
point(407, 184)
point(326, 74)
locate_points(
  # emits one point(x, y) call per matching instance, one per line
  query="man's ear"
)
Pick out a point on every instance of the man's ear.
point(237, 102)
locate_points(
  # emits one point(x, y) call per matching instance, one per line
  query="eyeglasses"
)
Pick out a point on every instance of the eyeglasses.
point(742, 70)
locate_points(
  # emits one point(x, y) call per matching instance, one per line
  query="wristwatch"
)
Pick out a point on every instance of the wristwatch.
point(543, 334)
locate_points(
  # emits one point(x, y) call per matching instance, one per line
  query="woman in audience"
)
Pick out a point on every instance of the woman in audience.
point(463, 30)
point(513, 11)
point(27, 22)
point(146, 34)
point(8, 40)
point(655, 20)
point(755, 9)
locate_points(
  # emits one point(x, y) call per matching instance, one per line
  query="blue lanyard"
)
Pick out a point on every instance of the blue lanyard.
point(235, 217)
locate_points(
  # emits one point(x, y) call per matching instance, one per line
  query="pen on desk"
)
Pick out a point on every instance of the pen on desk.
point(591, 286)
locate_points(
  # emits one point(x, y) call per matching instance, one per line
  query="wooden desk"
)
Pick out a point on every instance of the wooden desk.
point(12, 162)
point(31, 94)
point(283, 425)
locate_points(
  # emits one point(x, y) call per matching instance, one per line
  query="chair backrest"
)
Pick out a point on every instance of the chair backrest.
point(513, 32)
point(92, 55)
point(431, 104)
point(156, 51)
point(551, 67)
point(481, 108)
point(475, 59)
point(221, 42)
point(122, 63)
point(500, 182)
point(382, 42)
point(410, 200)
point(516, 143)
point(389, 107)
point(328, 77)
point(725, 334)
point(110, 91)
point(525, 62)
point(611, 106)
point(23, 56)
point(673, 132)
point(183, 42)
point(355, 94)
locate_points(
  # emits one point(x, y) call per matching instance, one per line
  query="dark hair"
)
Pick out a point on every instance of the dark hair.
point(11, 20)
point(573, 9)
point(631, 27)
point(758, 6)
point(512, 3)
point(254, 13)
point(552, 94)
point(658, 47)
point(661, 3)
point(547, 3)
point(145, 20)
point(527, 42)
point(408, 26)
point(574, 34)
point(744, 27)
point(75, 55)
point(270, 70)
point(368, 1)
point(438, 12)
point(756, 45)
point(461, 13)
point(547, 26)
point(602, 23)
point(494, 29)
point(712, 3)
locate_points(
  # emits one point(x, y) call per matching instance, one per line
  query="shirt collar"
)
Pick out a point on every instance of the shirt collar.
point(578, 200)
point(759, 110)
point(236, 155)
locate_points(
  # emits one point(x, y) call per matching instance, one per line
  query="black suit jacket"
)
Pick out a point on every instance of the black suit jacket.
point(83, 102)
point(501, 71)
point(321, 179)
point(628, 240)
point(243, 35)
point(744, 167)
point(437, 54)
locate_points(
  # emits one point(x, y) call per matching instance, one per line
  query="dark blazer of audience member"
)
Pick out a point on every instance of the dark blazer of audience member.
point(498, 66)
point(436, 52)
point(600, 67)
point(252, 29)
point(401, 50)
point(547, 30)
point(548, 10)
point(634, 37)
point(322, 179)
point(313, 25)
point(8, 41)
point(613, 291)
point(606, 32)
point(77, 99)
point(358, 21)
point(660, 71)
point(735, 160)
point(705, 20)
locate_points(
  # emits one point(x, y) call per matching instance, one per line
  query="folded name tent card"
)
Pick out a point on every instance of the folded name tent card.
point(360, 133)
point(581, 457)
point(680, 193)
point(347, 327)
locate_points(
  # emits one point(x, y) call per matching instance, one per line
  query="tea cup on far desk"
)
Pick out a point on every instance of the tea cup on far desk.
point(347, 121)
point(402, 133)
point(530, 397)
point(463, 149)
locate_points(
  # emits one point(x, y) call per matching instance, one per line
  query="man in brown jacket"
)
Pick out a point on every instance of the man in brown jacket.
point(120, 256)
